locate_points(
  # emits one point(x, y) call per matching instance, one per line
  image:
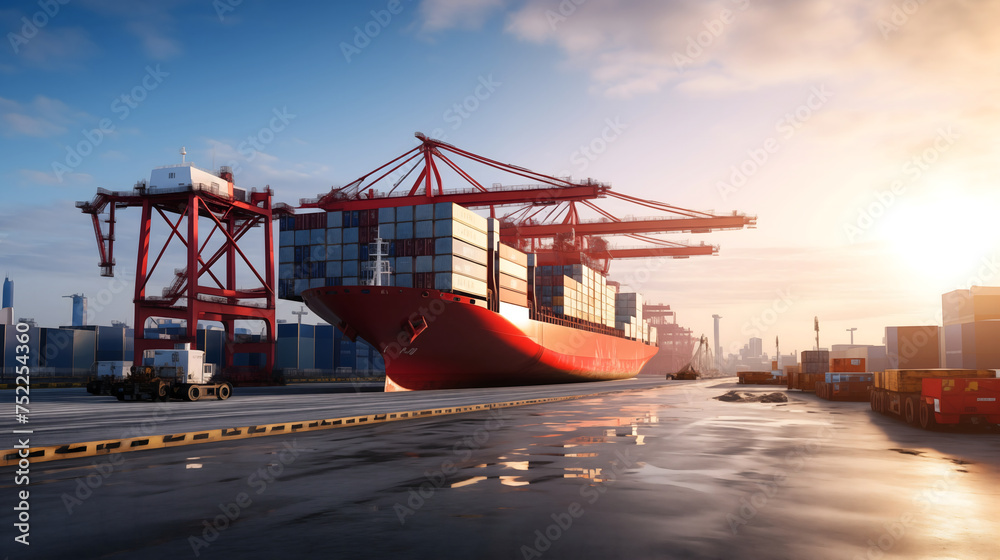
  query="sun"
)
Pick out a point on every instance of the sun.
point(945, 241)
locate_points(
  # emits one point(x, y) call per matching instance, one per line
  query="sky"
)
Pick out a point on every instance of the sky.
point(860, 133)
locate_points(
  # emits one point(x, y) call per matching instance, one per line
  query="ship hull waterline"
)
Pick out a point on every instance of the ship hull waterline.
point(432, 339)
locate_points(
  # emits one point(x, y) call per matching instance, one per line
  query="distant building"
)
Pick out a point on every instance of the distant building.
point(756, 348)
point(971, 328)
point(8, 292)
point(79, 310)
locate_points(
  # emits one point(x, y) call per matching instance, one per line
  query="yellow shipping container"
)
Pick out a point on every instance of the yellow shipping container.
point(909, 380)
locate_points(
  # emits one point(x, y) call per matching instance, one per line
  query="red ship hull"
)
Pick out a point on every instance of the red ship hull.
point(439, 340)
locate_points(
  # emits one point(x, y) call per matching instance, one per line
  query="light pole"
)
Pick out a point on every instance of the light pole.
point(851, 330)
point(298, 334)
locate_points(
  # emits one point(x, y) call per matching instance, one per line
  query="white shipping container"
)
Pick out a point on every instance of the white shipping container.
point(458, 230)
point(458, 283)
point(286, 239)
point(386, 215)
point(350, 252)
point(317, 282)
point(286, 254)
point(513, 269)
point(334, 269)
point(334, 252)
point(387, 231)
point(458, 265)
point(452, 246)
point(349, 268)
point(404, 214)
point(350, 235)
point(302, 237)
point(350, 281)
point(334, 236)
point(286, 271)
point(317, 237)
point(452, 211)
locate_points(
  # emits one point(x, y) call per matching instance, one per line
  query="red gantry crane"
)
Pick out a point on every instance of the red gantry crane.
point(204, 286)
point(547, 222)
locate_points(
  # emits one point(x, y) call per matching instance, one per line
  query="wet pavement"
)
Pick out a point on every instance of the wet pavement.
point(667, 472)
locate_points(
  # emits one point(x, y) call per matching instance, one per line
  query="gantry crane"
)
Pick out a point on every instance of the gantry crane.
point(204, 284)
point(560, 237)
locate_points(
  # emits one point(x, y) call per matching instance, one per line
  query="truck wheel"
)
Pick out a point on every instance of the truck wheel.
point(120, 397)
point(193, 393)
point(224, 391)
point(161, 393)
point(927, 420)
point(910, 412)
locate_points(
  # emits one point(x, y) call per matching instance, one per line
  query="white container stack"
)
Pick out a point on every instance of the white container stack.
point(628, 317)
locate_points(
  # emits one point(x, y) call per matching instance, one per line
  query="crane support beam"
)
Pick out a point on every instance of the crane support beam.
point(470, 198)
point(674, 252)
point(693, 225)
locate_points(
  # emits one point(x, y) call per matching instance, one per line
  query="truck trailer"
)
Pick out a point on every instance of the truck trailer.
point(932, 397)
point(180, 373)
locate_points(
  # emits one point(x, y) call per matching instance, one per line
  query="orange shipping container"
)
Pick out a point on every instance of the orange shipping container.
point(847, 365)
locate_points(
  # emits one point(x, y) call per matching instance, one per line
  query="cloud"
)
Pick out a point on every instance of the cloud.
point(33, 177)
point(156, 44)
point(644, 46)
point(55, 48)
point(43, 117)
point(439, 15)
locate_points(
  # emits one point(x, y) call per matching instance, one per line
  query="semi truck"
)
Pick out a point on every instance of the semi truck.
point(932, 397)
point(180, 373)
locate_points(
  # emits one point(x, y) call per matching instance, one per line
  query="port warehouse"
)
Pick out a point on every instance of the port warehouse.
point(68, 354)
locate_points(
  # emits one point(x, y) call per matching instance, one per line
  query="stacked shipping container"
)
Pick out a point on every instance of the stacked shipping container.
point(440, 246)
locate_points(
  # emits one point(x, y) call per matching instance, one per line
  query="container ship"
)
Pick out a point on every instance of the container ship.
point(455, 299)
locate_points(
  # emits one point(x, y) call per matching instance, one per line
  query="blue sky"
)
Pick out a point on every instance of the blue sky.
point(865, 132)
